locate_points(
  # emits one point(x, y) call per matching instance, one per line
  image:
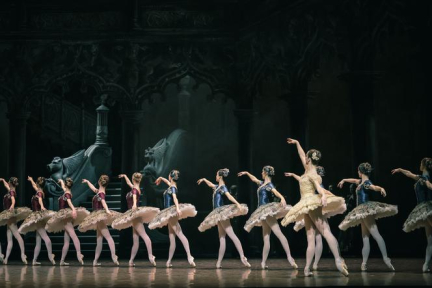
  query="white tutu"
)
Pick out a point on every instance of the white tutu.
point(35, 220)
point(144, 214)
point(274, 209)
point(19, 214)
point(222, 213)
point(63, 216)
point(418, 217)
point(163, 217)
point(91, 221)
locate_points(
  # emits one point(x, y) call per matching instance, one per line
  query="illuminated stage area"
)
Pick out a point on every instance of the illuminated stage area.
point(408, 273)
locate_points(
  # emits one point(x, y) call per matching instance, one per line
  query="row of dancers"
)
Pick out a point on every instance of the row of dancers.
point(312, 212)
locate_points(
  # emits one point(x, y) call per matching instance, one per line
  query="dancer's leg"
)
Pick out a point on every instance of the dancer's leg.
point(366, 245)
point(140, 230)
point(373, 229)
point(172, 246)
point(43, 234)
point(179, 233)
point(135, 246)
point(71, 232)
point(37, 249)
point(106, 234)
point(273, 224)
point(318, 249)
point(99, 239)
point(428, 256)
point(230, 232)
point(222, 244)
point(310, 234)
point(66, 243)
point(9, 244)
point(266, 230)
point(18, 237)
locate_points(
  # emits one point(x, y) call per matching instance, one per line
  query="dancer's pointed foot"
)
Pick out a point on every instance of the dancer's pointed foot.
point(1, 257)
point(263, 266)
point(218, 265)
point(425, 268)
point(24, 258)
point(131, 264)
point(115, 260)
point(152, 260)
point(341, 266)
point(387, 261)
point(95, 263)
point(168, 264)
point(292, 262)
point(307, 272)
point(80, 258)
point(34, 263)
point(52, 259)
point(62, 263)
point(245, 262)
point(191, 261)
point(363, 267)
point(315, 267)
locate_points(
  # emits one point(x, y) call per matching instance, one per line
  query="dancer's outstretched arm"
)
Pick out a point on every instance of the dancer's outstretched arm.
point(210, 184)
point(35, 187)
point(158, 181)
point(348, 180)
point(128, 182)
point(233, 200)
point(378, 189)
point(300, 150)
point(407, 173)
point(105, 207)
point(295, 176)
point(277, 194)
point(253, 178)
point(90, 185)
point(6, 184)
point(179, 213)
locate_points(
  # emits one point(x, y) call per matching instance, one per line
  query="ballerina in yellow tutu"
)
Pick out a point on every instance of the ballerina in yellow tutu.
point(313, 208)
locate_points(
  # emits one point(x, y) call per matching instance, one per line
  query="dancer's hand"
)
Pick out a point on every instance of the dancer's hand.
point(397, 170)
point(121, 176)
point(59, 181)
point(239, 207)
point(242, 173)
point(11, 209)
point(200, 181)
point(134, 207)
point(283, 202)
point(383, 192)
point(43, 208)
point(85, 181)
point(291, 141)
point(158, 181)
point(29, 178)
point(108, 212)
point(340, 184)
point(74, 214)
point(324, 200)
point(179, 213)
point(289, 174)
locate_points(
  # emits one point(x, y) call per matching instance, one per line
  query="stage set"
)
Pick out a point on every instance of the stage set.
point(189, 143)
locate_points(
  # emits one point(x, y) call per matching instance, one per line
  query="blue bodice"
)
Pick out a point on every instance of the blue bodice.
point(422, 192)
point(265, 195)
point(218, 196)
point(362, 192)
point(168, 196)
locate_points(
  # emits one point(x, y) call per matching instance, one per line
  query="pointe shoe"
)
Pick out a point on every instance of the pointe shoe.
point(307, 272)
point(387, 261)
point(5, 261)
point(341, 266)
point(1, 257)
point(34, 263)
point(263, 266)
point(315, 267)
point(191, 261)
point(363, 267)
point(245, 262)
point(168, 264)
point(62, 263)
point(95, 263)
point(218, 265)
point(152, 260)
point(292, 262)
point(52, 259)
point(425, 268)
point(80, 258)
point(24, 258)
point(131, 264)
point(115, 260)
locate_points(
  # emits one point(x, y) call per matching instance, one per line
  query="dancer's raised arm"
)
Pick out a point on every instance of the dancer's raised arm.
point(348, 180)
point(300, 150)
point(210, 184)
point(295, 176)
point(158, 181)
point(251, 177)
point(35, 187)
point(407, 173)
point(90, 185)
point(5, 183)
point(128, 182)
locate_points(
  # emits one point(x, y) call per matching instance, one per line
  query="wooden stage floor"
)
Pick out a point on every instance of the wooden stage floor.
point(233, 274)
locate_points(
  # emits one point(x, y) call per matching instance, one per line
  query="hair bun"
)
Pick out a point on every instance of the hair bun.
point(223, 172)
point(175, 174)
point(365, 168)
point(269, 170)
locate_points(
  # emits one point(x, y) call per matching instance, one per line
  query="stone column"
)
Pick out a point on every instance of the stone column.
point(17, 152)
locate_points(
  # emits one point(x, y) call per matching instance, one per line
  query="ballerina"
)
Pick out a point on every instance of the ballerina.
point(66, 219)
point(367, 212)
point(135, 216)
point(313, 208)
point(421, 215)
point(267, 213)
point(221, 215)
point(10, 216)
point(99, 219)
point(37, 219)
point(170, 216)
point(300, 224)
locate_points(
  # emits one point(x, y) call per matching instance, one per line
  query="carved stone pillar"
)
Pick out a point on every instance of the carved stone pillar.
point(17, 152)
point(131, 121)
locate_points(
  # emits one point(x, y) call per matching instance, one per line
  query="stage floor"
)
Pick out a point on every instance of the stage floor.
point(233, 274)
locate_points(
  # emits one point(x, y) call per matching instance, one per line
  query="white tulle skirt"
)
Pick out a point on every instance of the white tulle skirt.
point(143, 214)
point(35, 220)
point(418, 217)
point(57, 222)
point(18, 214)
point(222, 213)
point(92, 220)
point(163, 217)
point(273, 209)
